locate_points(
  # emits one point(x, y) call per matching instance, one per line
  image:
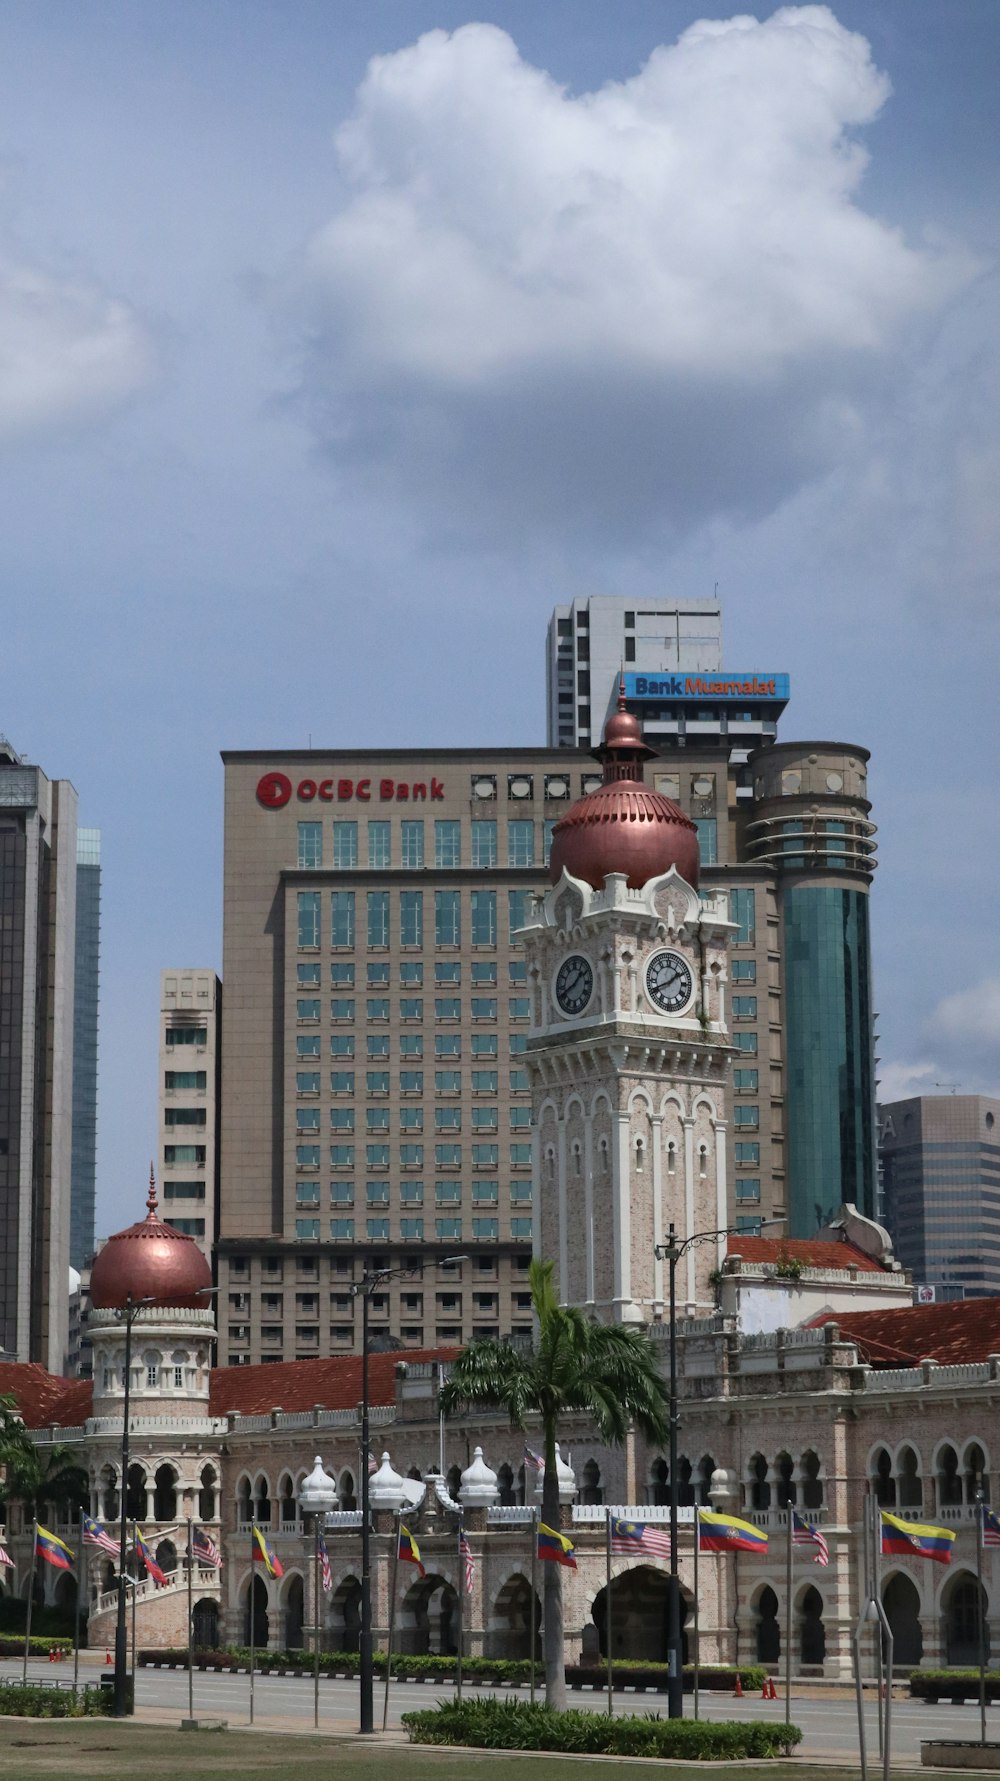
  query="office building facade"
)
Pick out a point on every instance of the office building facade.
point(940, 1157)
point(591, 640)
point(189, 1065)
point(87, 965)
point(38, 866)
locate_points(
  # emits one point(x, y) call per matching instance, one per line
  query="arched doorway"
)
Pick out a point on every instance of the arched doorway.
point(165, 1494)
point(257, 1595)
point(963, 1601)
point(206, 1495)
point(767, 1631)
point(205, 1625)
point(294, 1607)
point(901, 1601)
point(135, 1495)
point(638, 1616)
point(166, 1556)
point(343, 1616)
point(812, 1632)
point(509, 1633)
point(427, 1619)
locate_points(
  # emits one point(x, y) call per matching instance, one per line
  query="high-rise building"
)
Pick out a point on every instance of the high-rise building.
point(591, 640)
point(189, 1064)
point(85, 1016)
point(940, 1159)
point(38, 866)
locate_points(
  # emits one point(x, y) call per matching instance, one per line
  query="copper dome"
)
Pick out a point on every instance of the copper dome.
point(623, 826)
point(150, 1260)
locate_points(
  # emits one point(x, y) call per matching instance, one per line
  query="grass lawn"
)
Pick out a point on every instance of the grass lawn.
point(33, 1749)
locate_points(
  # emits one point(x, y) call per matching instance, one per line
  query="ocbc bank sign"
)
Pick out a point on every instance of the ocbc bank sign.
point(274, 790)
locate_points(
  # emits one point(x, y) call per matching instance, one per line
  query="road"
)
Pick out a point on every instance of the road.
point(286, 1703)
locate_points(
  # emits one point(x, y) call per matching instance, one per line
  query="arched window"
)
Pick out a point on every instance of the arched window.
point(640, 1155)
point(603, 1152)
point(766, 1627)
point(206, 1495)
point(909, 1484)
point(454, 1481)
point(759, 1489)
point(659, 1483)
point(948, 1477)
point(590, 1491)
point(812, 1483)
point(975, 1474)
point(671, 1156)
point(288, 1507)
point(702, 1158)
point(244, 1502)
point(346, 1491)
point(505, 1485)
point(165, 1494)
point(883, 1482)
point(262, 1500)
point(706, 1466)
point(685, 1486)
point(135, 1495)
point(577, 1160)
point(785, 1489)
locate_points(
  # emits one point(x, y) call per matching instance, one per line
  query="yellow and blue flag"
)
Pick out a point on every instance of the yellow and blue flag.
point(916, 1539)
point(265, 1554)
point(555, 1548)
point(408, 1550)
point(52, 1549)
point(727, 1533)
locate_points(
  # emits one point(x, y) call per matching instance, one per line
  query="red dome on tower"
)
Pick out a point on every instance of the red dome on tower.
point(150, 1260)
point(623, 826)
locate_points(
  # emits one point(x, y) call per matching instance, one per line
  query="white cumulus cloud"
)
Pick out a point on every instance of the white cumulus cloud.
point(962, 1036)
point(662, 299)
point(68, 351)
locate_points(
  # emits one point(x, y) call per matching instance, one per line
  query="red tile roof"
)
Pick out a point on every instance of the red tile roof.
point(968, 1330)
point(43, 1398)
point(334, 1384)
point(810, 1251)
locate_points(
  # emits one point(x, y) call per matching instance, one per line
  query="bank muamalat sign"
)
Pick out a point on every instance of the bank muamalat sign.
point(722, 685)
point(274, 790)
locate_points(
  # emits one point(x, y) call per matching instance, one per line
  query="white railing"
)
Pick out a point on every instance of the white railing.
point(509, 1515)
point(379, 1416)
point(653, 1514)
point(205, 1579)
point(929, 1374)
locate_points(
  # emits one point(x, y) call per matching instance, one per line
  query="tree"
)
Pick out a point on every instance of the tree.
point(606, 1371)
point(32, 1475)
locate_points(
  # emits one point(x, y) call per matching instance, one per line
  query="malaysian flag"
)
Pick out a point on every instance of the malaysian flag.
point(991, 1527)
point(96, 1534)
point(532, 1459)
point(5, 1558)
point(468, 1569)
point(804, 1535)
point(326, 1575)
point(630, 1537)
point(204, 1549)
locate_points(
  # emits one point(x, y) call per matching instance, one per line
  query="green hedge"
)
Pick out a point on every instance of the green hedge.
point(35, 1701)
point(494, 1724)
point(53, 1623)
point(37, 1647)
point(515, 1672)
point(959, 1685)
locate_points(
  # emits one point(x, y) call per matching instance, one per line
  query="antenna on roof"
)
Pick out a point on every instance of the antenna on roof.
point(953, 1087)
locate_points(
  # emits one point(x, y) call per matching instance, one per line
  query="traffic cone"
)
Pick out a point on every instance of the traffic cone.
point(738, 1690)
point(765, 1693)
point(774, 1692)
point(107, 1660)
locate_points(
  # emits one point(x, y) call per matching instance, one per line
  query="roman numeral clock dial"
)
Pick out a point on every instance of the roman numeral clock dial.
point(574, 984)
point(669, 983)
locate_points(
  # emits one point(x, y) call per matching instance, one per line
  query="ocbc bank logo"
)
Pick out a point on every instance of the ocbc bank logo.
point(274, 790)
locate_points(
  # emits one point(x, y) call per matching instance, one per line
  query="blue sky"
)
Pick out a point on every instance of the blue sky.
point(322, 380)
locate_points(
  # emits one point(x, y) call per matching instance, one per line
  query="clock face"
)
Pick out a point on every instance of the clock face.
point(669, 983)
point(574, 984)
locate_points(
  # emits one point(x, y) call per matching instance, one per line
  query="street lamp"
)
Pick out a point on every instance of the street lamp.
point(671, 1252)
point(363, 1289)
point(317, 1496)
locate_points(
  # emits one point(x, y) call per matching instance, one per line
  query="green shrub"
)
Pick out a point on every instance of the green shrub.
point(53, 1623)
point(963, 1685)
point(38, 1647)
point(502, 1724)
point(35, 1701)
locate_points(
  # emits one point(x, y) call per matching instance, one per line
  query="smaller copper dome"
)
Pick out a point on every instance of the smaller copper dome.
point(624, 730)
point(150, 1260)
point(624, 827)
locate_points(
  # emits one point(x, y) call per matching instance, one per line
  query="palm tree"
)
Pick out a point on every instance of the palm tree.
point(34, 1476)
point(607, 1371)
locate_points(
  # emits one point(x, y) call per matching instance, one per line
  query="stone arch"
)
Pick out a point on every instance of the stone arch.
point(505, 1485)
point(590, 1485)
point(659, 1483)
point(208, 1483)
point(253, 1599)
point(150, 1368)
point(964, 1619)
point(64, 1591)
point(135, 1493)
point(292, 1603)
point(811, 1475)
point(947, 1475)
point(165, 1493)
point(758, 1487)
point(784, 1470)
point(600, 1103)
point(166, 1556)
point(509, 1633)
point(107, 1489)
point(107, 1576)
point(882, 1477)
point(244, 1500)
point(975, 1471)
point(453, 1482)
point(766, 1625)
point(205, 1624)
point(811, 1630)
point(909, 1483)
point(343, 1614)
point(288, 1508)
point(427, 1617)
point(685, 1482)
point(262, 1500)
point(639, 1613)
point(703, 1480)
point(346, 1489)
point(901, 1601)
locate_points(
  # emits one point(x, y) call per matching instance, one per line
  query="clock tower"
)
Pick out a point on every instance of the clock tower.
point(628, 1051)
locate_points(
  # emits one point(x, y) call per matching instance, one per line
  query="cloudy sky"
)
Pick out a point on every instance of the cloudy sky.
point(339, 339)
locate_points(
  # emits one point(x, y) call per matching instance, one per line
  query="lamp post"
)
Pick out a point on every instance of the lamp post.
point(317, 1496)
point(671, 1252)
point(364, 1289)
point(127, 1314)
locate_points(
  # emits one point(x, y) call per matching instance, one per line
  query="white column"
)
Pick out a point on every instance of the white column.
point(536, 1192)
point(657, 1145)
point(689, 1200)
point(561, 1184)
point(588, 1206)
point(621, 1208)
point(720, 1127)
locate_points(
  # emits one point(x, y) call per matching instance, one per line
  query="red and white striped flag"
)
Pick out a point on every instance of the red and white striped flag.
point(804, 1535)
point(5, 1558)
point(325, 1572)
point(991, 1527)
point(468, 1568)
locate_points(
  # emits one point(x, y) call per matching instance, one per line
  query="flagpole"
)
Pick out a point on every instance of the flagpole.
point(790, 1516)
point(135, 1591)
point(316, 1618)
point(534, 1597)
point(461, 1611)
point(31, 1594)
point(190, 1596)
point(79, 1594)
point(253, 1604)
point(877, 1597)
point(392, 1620)
point(697, 1622)
point(980, 1542)
point(607, 1613)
